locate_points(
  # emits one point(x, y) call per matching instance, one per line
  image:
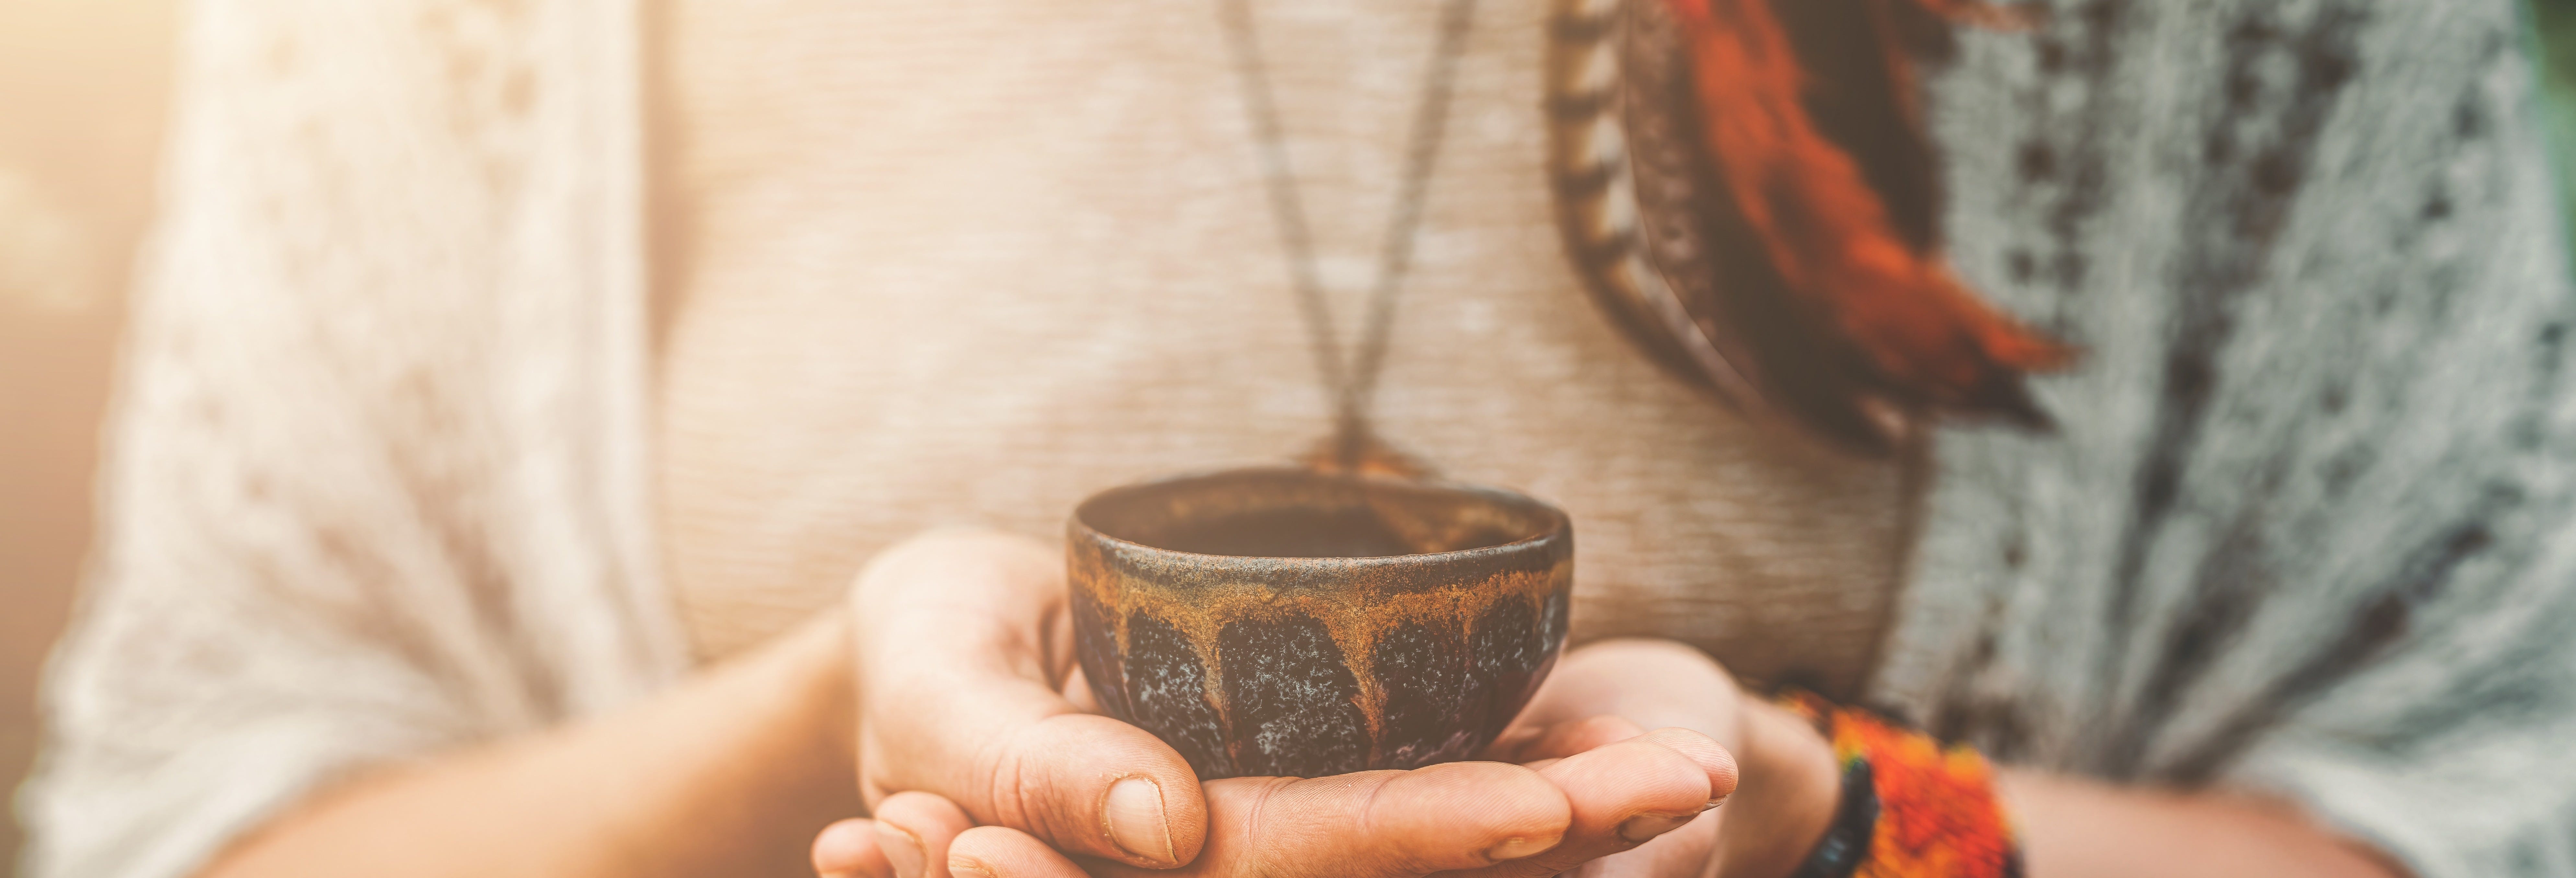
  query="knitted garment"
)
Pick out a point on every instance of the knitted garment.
point(378, 483)
point(374, 483)
point(2307, 523)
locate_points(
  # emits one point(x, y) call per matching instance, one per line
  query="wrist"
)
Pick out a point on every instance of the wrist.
point(813, 666)
point(1791, 785)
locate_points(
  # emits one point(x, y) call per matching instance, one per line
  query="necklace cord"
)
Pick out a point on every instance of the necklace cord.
point(1353, 389)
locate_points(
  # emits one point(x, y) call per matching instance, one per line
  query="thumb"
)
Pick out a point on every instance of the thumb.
point(1373, 824)
point(960, 640)
point(848, 849)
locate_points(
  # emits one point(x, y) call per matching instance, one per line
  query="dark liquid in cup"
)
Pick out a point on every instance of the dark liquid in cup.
point(1348, 532)
point(1289, 533)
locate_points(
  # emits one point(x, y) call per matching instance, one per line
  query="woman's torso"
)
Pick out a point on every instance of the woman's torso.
point(967, 263)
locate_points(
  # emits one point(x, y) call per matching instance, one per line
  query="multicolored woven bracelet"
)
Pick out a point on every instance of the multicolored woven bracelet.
point(1911, 807)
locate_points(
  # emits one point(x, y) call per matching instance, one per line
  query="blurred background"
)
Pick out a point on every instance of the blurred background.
point(82, 87)
point(82, 94)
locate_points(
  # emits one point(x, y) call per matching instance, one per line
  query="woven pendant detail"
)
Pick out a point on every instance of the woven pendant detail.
point(1716, 217)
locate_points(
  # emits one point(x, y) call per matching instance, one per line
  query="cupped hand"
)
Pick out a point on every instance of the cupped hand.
point(977, 754)
point(1790, 780)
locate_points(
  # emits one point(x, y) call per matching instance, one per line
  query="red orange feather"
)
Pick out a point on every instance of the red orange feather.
point(1908, 320)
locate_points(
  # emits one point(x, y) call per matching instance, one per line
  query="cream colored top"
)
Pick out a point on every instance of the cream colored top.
point(969, 262)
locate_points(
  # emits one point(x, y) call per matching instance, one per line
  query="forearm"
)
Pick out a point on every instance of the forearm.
point(2070, 828)
point(731, 772)
point(2080, 829)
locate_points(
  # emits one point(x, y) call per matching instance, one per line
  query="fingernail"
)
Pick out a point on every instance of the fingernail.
point(1713, 803)
point(1644, 827)
point(1133, 812)
point(1516, 847)
point(904, 850)
point(969, 867)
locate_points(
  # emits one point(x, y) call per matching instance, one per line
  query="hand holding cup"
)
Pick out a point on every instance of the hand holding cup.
point(978, 746)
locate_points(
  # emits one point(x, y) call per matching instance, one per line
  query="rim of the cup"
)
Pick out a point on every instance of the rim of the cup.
point(1558, 522)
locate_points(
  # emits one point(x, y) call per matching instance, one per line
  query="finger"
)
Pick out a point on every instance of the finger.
point(1716, 766)
point(915, 829)
point(1395, 824)
point(1704, 752)
point(848, 849)
point(1682, 853)
point(1088, 785)
point(1568, 738)
point(1652, 682)
point(961, 687)
point(1002, 852)
point(1686, 851)
point(1624, 795)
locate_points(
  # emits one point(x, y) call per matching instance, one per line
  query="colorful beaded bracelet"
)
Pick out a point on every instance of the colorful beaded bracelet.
point(1911, 807)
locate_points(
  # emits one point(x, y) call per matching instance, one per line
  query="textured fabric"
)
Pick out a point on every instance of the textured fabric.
point(2307, 527)
point(1055, 274)
point(379, 482)
point(376, 471)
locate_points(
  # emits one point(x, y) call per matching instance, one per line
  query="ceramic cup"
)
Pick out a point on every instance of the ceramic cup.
point(1286, 622)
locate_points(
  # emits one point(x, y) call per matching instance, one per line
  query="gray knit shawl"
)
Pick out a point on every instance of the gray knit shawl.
point(2311, 521)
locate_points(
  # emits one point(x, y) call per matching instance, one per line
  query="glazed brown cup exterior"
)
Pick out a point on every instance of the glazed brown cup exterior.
point(1287, 622)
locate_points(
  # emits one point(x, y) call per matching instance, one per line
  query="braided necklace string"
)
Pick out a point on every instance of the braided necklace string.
point(1352, 387)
